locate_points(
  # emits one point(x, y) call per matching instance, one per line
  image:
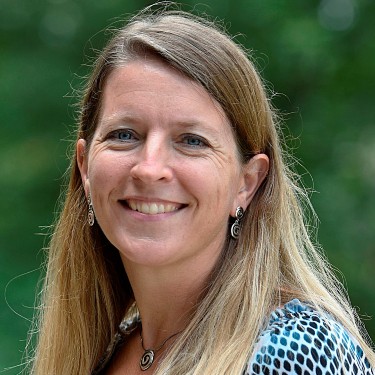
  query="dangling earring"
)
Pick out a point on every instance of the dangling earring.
point(236, 226)
point(90, 215)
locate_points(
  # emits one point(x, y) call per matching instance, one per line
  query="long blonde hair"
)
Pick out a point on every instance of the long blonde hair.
point(86, 292)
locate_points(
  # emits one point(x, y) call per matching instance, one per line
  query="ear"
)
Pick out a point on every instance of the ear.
point(253, 174)
point(81, 154)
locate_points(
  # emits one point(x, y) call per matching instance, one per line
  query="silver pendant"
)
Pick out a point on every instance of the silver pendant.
point(147, 359)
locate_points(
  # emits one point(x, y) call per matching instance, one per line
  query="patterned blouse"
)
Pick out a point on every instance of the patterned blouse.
point(297, 340)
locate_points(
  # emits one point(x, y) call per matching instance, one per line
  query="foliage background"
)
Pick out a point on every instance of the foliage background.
point(318, 54)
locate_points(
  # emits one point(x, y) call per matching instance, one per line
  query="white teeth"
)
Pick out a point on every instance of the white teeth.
point(151, 208)
point(145, 208)
point(133, 205)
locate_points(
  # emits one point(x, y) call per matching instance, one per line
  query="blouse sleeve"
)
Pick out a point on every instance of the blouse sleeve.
point(305, 342)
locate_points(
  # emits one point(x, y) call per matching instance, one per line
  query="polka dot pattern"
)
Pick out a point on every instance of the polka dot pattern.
point(299, 340)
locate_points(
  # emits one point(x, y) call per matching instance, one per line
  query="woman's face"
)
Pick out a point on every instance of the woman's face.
point(162, 168)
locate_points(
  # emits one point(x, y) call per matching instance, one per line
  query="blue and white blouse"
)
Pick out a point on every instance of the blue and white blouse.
point(299, 340)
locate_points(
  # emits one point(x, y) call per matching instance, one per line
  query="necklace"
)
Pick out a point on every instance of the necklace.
point(148, 356)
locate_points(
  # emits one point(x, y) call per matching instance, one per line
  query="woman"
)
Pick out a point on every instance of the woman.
point(183, 225)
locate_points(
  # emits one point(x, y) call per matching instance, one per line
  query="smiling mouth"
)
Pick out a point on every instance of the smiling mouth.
point(152, 208)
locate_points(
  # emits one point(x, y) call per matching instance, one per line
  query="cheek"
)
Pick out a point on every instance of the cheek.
point(226, 188)
point(106, 169)
point(214, 185)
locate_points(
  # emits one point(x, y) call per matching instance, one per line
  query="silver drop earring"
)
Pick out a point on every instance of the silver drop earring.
point(90, 215)
point(236, 226)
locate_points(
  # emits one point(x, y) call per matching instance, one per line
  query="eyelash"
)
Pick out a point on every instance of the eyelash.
point(115, 135)
point(202, 142)
point(184, 138)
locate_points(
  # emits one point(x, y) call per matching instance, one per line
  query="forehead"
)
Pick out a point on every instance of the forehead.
point(146, 75)
point(149, 88)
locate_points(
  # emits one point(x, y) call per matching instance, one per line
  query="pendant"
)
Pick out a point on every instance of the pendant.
point(147, 359)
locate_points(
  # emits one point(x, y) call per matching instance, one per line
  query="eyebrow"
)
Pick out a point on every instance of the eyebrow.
point(188, 124)
point(124, 116)
point(195, 124)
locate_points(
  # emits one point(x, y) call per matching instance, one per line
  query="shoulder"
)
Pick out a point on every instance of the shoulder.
point(299, 340)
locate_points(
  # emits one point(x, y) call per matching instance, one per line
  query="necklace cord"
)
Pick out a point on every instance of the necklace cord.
point(148, 356)
point(159, 347)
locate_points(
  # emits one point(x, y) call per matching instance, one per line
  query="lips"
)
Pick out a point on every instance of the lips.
point(152, 208)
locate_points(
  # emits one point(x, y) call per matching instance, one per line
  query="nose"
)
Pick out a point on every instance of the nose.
point(152, 162)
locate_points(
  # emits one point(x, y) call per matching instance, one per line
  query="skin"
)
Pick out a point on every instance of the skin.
point(164, 145)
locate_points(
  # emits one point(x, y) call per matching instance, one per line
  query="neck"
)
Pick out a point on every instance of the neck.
point(165, 298)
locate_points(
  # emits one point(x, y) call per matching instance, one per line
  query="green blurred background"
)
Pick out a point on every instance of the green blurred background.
point(320, 57)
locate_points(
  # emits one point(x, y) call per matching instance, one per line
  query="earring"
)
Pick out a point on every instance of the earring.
point(90, 215)
point(236, 226)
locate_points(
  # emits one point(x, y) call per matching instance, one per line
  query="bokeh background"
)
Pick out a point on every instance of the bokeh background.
point(318, 58)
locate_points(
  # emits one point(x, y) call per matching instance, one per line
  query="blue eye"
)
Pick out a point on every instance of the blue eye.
point(194, 141)
point(124, 135)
